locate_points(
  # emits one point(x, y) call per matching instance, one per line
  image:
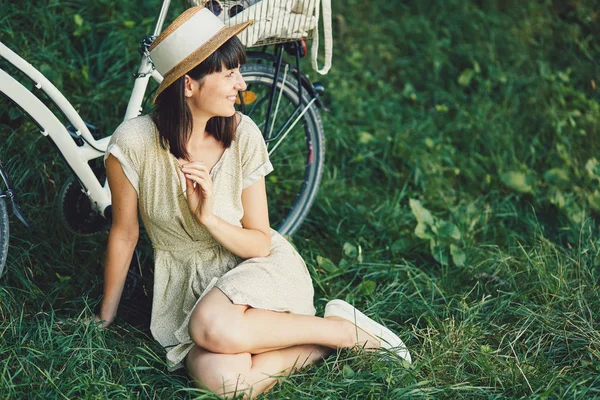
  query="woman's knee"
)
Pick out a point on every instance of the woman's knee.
point(217, 328)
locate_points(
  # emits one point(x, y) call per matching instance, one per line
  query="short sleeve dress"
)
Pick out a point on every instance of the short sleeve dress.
point(188, 260)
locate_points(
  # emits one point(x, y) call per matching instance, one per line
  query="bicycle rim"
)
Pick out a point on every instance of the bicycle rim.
point(3, 234)
point(297, 154)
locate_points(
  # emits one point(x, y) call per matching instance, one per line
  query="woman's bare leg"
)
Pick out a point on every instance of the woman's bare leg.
point(220, 326)
point(230, 375)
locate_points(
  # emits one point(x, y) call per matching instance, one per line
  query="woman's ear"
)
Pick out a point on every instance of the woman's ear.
point(188, 86)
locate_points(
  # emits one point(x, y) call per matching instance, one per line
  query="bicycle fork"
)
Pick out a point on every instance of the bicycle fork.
point(10, 194)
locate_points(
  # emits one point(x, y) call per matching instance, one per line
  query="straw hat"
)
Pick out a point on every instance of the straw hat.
point(188, 41)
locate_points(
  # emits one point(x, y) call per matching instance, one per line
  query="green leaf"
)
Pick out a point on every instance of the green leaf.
point(347, 371)
point(458, 255)
point(439, 252)
point(344, 264)
point(78, 20)
point(548, 392)
point(81, 30)
point(62, 278)
point(592, 167)
point(518, 181)
point(446, 230)
point(409, 91)
point(545, 71)
point(350, 250)
point(564, 76)
point(594, 200)
point(565, 154)
point(556, 197)
point(14, 113)
point(326, 264)
point(423, 231)
point(365, 137)
point(574, 211)
point(367, 287)
point(421, 213)
point(129, 24)
point(85, 72)
point(49, 73)
point(484, 348)
point(465, 77)
point(558, 177)
point(358, 158)
point(400, 245)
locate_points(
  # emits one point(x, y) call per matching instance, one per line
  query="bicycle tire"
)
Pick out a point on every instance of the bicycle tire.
point(3, 234)
point(298, 164)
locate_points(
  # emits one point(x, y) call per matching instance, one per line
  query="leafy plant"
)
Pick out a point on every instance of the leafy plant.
point(443, 236)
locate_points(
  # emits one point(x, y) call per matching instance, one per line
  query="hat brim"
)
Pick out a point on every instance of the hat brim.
point(199, 55)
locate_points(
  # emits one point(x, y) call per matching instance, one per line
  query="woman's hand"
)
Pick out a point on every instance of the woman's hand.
point(106, 314)
point(102, 323)
point(94, 320)
point(199, 190)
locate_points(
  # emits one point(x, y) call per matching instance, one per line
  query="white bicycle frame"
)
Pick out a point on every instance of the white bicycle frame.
point(77, 157)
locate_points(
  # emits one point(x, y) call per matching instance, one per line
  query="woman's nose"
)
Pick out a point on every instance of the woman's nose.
point(240, 82)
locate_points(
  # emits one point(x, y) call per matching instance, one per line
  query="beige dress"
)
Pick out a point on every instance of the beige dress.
point(188, 260)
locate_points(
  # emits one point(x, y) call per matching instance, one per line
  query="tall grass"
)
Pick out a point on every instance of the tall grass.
point(485, 111)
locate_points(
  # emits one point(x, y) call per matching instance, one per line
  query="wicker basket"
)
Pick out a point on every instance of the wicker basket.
point(275, 21)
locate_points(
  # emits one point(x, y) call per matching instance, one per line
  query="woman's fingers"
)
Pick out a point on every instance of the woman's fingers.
point(190, 186)
point(201, 181)
point(198, 173)
point(196, 166)
point(196, 178)
point(193, 171)
point(200, 189)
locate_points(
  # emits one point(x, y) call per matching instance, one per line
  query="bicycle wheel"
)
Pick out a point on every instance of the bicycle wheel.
point(3, 234)
point(296, 143)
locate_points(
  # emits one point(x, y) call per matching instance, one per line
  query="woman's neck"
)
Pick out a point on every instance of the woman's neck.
point(199, 134)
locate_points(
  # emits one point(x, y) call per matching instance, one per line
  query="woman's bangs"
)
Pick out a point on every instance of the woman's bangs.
point(232, 54)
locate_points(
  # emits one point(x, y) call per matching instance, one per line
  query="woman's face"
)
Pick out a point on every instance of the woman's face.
point(216, 93)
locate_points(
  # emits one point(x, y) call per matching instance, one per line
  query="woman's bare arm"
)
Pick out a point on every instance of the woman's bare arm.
point(254, 239)
point(123, 237)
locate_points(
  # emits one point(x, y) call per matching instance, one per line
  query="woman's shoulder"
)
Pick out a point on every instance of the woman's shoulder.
point(138, 132)
point(138, 127)
point(247, 131)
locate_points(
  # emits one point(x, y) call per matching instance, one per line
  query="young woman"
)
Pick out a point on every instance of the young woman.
point(233, 300)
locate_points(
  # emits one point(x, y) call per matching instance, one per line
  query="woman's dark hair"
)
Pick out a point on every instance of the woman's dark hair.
point(172, 115)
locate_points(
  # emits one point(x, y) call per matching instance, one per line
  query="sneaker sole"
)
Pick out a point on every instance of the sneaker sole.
point(389, 340)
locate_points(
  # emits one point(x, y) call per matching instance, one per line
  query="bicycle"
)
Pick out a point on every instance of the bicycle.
point(279, 98)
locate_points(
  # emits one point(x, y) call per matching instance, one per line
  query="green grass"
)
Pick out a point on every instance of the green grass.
point(486, 112)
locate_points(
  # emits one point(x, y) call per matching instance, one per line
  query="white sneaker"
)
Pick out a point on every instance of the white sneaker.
point(389, 340)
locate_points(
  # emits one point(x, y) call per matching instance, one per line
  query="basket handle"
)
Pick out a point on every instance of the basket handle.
point(327, 35)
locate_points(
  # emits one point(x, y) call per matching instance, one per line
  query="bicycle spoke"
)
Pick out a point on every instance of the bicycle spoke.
point(293, 138)
point(278, 100)
point(279, 159)
point(289, 129)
